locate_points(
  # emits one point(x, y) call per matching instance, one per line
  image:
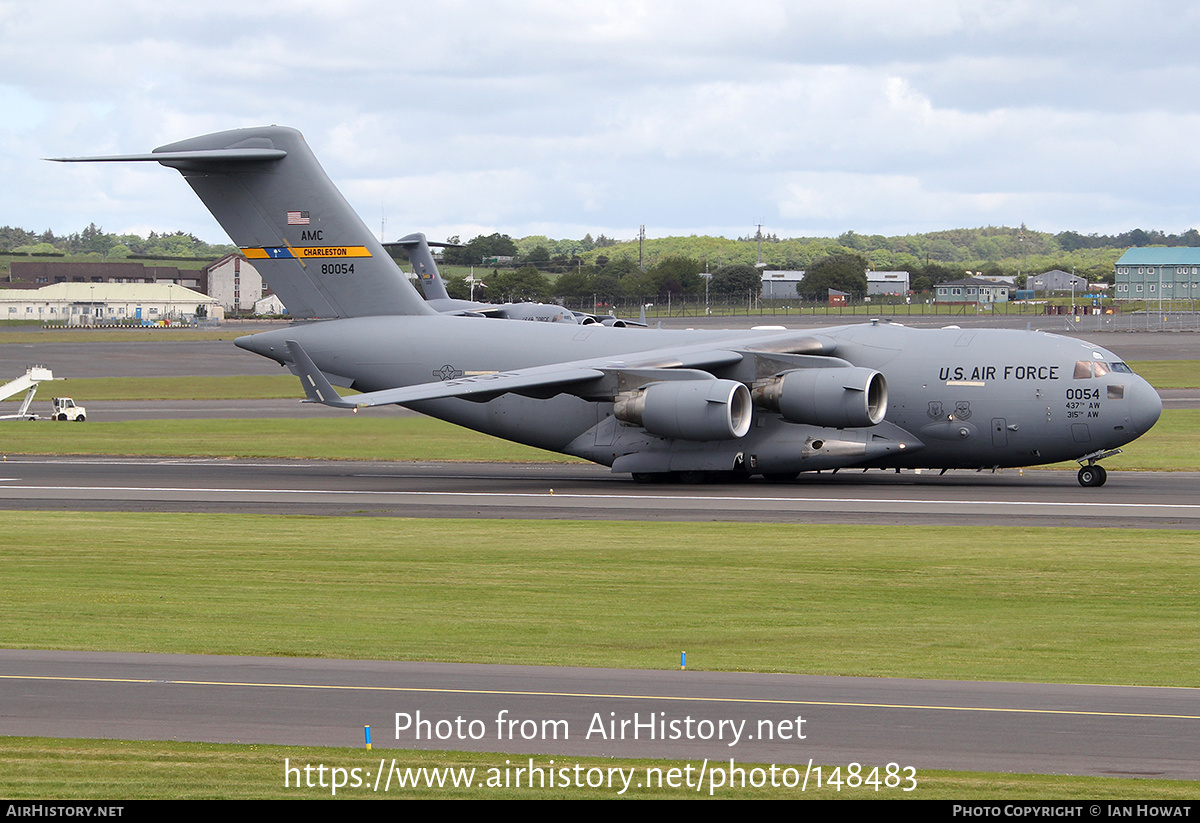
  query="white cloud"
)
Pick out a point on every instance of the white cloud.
point(509, 115)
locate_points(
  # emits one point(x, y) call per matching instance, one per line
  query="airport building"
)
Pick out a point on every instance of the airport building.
point(232, 280)
point(781, 285)
point(1056, 280)
point(887, 282)
point(47, 272)
point(972, 290)
point(235, 282)
point(94, 304)
point(1163, 273)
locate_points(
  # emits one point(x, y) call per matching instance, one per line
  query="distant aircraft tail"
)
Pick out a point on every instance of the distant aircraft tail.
point(424, 265)
point(269, 193)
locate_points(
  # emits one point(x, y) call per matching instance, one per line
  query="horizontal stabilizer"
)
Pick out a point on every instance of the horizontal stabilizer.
point(217, 155)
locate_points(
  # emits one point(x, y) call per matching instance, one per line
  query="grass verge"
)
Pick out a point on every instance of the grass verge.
point(1172, 445)
point(130, 335)
point(353, 437)
point(1169, 374)
point(35, 768)
point(1064, 605)
point(238, 387)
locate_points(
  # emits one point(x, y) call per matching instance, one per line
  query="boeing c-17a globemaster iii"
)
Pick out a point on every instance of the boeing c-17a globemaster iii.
point(659, 404)
point(426, 270)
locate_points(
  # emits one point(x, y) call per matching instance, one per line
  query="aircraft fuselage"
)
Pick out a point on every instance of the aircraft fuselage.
point(957, 398)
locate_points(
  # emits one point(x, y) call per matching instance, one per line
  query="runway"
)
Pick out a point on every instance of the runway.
point(564, 712)
point(588, 492)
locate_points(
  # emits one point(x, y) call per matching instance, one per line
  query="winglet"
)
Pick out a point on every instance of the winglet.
point(316, 385)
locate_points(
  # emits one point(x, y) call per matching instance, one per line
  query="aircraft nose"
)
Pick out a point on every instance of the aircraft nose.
point(1145, 407)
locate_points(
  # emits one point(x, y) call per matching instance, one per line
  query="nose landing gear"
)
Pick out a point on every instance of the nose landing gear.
point(1092, 473)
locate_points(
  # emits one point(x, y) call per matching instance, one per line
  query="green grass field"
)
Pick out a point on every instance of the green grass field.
point(1169, 374)
point(1064, 605)
point(281, 386)
point(352, 437)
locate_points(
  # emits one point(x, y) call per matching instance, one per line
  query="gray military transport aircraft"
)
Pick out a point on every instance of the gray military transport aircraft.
point(658, 404)
point(425, 267)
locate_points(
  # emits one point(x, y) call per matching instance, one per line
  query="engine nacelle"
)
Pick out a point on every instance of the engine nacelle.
point(688, 409)
point(839, 398)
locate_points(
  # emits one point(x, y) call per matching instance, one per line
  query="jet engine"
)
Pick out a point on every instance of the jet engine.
point(688, 409)
point(838, 398)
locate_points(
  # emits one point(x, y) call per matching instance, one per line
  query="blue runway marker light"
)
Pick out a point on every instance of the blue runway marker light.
point(367, 732)
point(682, 660)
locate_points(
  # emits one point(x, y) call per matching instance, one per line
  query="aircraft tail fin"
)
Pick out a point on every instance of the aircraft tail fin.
point(267, 190)
point(424, 265)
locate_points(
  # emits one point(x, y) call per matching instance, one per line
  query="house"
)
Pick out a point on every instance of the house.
point(235, 282)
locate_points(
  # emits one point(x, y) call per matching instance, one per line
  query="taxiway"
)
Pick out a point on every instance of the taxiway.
point(992, 727)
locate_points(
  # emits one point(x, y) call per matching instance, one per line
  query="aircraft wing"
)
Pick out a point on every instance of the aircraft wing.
point(481, 387)
point(583, 377)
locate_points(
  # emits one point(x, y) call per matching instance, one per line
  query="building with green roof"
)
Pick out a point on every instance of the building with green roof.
point(1158, 273)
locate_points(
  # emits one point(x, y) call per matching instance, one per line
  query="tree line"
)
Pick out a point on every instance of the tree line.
point(930, 258)
point(95, 242)
point(604, 268)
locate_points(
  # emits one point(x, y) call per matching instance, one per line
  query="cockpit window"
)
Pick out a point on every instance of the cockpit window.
point(1121, 367)
point(1085, 369)
point(1116, 392)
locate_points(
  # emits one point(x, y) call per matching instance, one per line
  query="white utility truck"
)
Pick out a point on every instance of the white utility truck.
point(64, 407)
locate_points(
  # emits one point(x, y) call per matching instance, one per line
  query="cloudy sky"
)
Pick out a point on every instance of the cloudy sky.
point(558, 117)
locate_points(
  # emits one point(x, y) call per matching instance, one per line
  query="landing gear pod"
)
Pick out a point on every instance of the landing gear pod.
point(840, 398)
point(688, 409)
